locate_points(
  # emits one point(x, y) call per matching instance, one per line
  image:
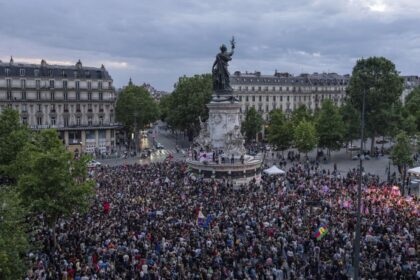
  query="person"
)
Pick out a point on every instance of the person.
point(220, 73)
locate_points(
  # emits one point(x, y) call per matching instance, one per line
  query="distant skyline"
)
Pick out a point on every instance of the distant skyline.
point(158, 41)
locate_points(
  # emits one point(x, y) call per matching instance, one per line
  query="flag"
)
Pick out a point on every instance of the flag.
point(200, 218)
point(320, 232)
point(208, 221)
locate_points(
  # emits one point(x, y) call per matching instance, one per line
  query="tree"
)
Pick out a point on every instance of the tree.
point(188, 102)
point(13, 239)
point(13, 137)
point(252, 124)
point(401, 154)
point(280, 130)
point(351, 120)
point(382, 85)
point(330, 126)
point(305, 138)
point(135, 109)
point(301, 113)
point(412, 102)
point(52, 182)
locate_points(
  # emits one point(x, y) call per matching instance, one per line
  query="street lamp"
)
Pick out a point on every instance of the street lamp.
point(356, 246)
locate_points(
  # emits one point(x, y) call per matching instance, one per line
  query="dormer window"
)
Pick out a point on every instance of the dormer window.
point(22, 72)
point(7, 71)
point(36, 72)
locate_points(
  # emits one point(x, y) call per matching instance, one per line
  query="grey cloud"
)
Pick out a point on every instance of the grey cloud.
point(162, 40)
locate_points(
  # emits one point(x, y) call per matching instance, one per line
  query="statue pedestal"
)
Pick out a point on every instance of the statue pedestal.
point(223, 118)
point(222, 133)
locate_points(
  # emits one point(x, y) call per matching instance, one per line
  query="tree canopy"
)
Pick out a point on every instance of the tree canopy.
point(330, 126)
point(351, 120)
point(252, 124)
point(401, 152)
point(13, 238)
point(187, 103)
point(135, 107)
point(412, 104)
point(13, 137)
point(51, 181)
point(305, 137)
point(280, 130)
point(382, 85)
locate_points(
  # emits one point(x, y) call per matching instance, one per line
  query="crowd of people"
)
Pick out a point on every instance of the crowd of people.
point(145, 223)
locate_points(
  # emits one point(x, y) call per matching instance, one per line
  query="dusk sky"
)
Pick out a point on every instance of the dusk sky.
point(159, 41)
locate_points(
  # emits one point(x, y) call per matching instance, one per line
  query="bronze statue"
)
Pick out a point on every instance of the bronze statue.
point(221, 82)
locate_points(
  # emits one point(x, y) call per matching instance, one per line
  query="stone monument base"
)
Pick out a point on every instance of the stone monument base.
point(238, 173)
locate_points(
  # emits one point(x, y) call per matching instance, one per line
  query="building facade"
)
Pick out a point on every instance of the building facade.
point(287, 92)
point(76, 100)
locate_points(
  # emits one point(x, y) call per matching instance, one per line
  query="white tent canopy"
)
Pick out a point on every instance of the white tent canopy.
point(415, 171)
point(274, 170)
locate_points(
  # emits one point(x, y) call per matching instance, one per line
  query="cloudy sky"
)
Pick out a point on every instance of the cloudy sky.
point(161, 40)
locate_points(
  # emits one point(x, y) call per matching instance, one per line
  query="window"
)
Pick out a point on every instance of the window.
point(274, 98)
point(101, 120)
point(38, 95)
point(64, 84)
point(51, 73)
point(52, 121)
point(109, 85)
point(266, 108)
point(288, 99)
point(65, 95)
point(36, 72)
point(52, 95)
point(246, 98)
point(260, 98)
point(22, 72)
point(253, 98)
point(101, 108)
point(78, 121)
point(24, 108)
point(51, 83)
point(266, 98)
point(63, 74)
point(23, 83)
point(89, 85)
point(9, 83)
point(240, 98)
point(89, 96)
point(112, 133)
point(78, 108)
point(90, 121)
point(259, 88)
point(23, 95)
point(39, 120)
point(39, 108)
point(66, 121)
point(9, 95)
point(89, 107)
point(66, 108)
point(77, 84)
point(24, 120)
point(99, 84)
point(77, 95)
point(7, 71)
point(274, 106)
point(101, 96)
point(37, 83)
point(52, 108)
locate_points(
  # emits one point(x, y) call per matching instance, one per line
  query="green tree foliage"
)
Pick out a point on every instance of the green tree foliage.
point(305, 137)
point(412, 104)
point(378, 78)
point(401, 152)
point(252, 124)
point(13, 239)
point(280, 130)
point(188, 102)
point(301, 113)
point(51, 182)
point(351, 120)
point(135, 108)
point(164, 107)
point(13, 137)
point(330, 126)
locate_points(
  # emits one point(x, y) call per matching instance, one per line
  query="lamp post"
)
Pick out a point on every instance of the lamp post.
point(356, 260)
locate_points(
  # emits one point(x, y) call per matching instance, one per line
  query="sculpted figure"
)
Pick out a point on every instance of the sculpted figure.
point(221, 82)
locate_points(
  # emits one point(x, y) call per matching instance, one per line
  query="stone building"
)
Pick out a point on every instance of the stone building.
point(76, 100)
point(286, 92)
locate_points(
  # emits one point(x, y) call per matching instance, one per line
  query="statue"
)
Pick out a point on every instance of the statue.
point(234, 142)
point(220, 73)
point(203, 140)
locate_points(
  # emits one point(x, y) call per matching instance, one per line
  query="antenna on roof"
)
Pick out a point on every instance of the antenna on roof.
point(11, 60)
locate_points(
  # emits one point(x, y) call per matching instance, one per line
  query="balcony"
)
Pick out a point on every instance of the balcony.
point(96, 125)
